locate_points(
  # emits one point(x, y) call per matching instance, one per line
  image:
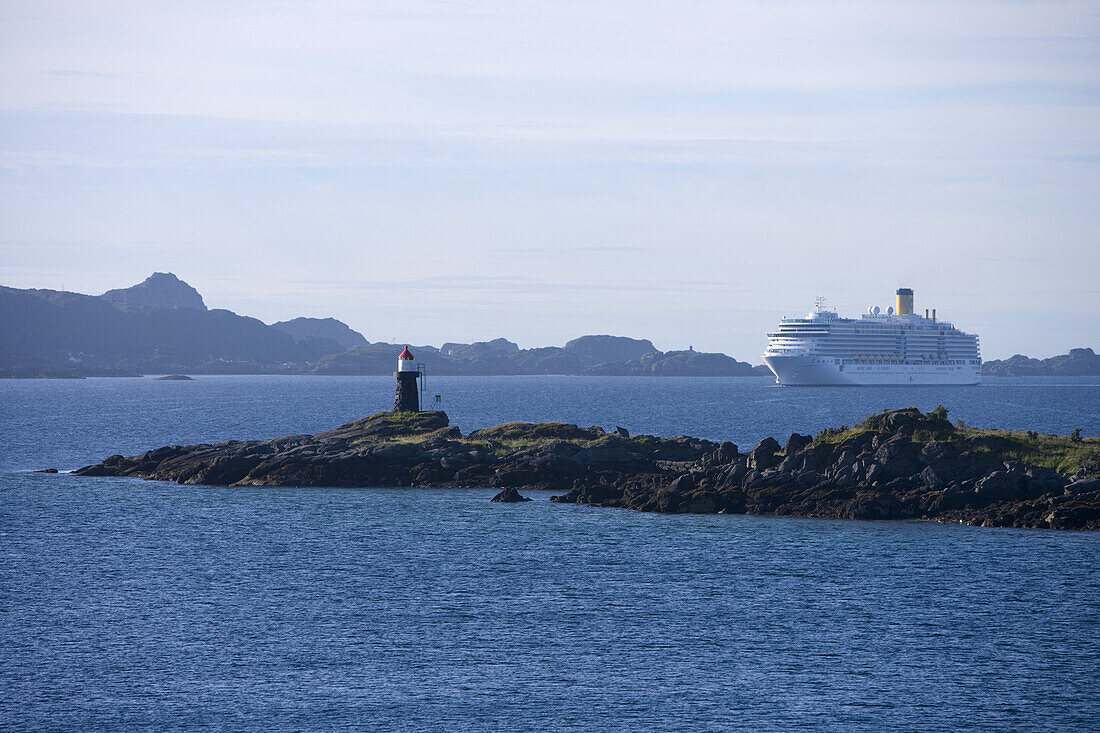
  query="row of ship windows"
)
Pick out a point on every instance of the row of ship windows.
point(946, 362)
point(874, 337)
point(868, 331)
point(851, 368)
point(910, 344)
point(871, 347)
point(899, 361)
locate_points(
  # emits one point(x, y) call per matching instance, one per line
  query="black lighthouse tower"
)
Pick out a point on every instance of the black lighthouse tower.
point(407, 398)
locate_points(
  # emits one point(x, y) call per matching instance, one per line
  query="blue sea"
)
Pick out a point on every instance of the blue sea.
point(128, 605)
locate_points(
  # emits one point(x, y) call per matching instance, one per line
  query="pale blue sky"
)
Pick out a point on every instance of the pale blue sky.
point(682, 171)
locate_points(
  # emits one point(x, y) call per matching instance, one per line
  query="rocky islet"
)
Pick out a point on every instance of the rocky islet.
point(899, 464)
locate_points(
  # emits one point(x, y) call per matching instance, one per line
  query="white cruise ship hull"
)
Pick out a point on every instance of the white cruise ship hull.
point(816, 371)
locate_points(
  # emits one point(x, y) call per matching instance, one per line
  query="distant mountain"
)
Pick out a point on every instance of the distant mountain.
point(159, 290)
point(379, 358)
point(476, 359)
point(322, 328)
point(479, 348)
point(677, 364)
point(593, 350)
point(1077, 363)
point(481, 359)
point(545, 360)
point(162, 325)
point(56, 333)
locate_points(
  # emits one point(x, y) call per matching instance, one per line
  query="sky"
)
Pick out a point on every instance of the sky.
point(688, 172)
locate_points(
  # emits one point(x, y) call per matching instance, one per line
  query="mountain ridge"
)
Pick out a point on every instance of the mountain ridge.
point(162, 325)
point(303, 328)
point(1080, 362)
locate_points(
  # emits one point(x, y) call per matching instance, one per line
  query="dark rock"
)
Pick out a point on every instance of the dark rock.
point(792, 463)
point(874, 506)
point(509, 496)
point(906, 421)
point(846, 459)
point(934, 452)
point(933, 479)
point(733, 475)
point(725, 453)
point(989, 443)
point(763, 455)
point(845, 477)
point(900, 464)
point(700, 502)
point(1084, 486)
point(682, 484)
point(46, 470)
point(1005, 485)
point(889, 449)
point(806, 478)
point(796, 443)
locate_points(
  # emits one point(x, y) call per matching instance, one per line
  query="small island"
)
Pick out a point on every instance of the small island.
point(900, 464)
point(174, 378)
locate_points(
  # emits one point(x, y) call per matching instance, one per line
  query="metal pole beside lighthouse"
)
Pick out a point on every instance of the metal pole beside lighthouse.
point(407, 398)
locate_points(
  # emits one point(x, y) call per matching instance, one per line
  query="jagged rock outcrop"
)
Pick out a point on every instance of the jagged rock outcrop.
point(900, 464)
point(159, 290)
point(509, 496)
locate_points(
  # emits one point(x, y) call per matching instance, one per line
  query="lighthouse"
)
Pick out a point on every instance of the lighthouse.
point(407, 398)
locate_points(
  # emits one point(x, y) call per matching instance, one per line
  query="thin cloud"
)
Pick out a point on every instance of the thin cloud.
point(86, 74)
point(593, 249)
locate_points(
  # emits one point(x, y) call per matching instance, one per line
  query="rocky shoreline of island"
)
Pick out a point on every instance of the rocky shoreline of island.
point(899, 464)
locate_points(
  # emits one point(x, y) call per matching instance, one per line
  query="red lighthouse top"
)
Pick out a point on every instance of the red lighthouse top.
point(406, 354)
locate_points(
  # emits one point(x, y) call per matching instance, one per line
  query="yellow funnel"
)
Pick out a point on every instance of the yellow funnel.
point(905, 302)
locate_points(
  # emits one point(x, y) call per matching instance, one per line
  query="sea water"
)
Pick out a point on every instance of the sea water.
point(127, 604)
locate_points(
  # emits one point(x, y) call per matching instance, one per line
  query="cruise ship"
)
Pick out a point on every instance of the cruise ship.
point(895, 347)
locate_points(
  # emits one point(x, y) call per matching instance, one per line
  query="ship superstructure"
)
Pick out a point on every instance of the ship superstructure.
point(895, 347)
